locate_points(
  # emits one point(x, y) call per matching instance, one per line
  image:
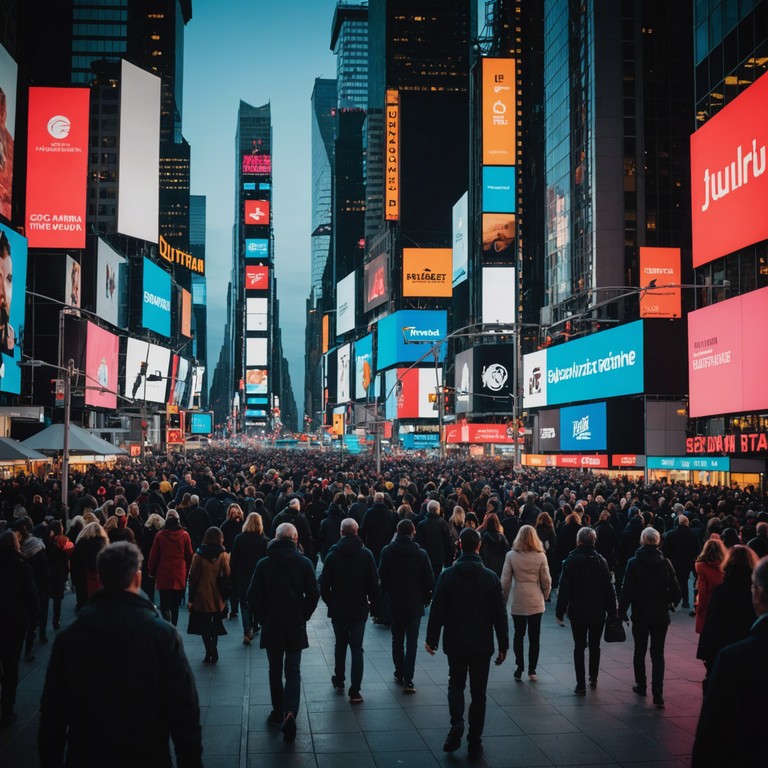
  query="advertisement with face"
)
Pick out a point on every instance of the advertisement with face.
point(110, 284)
point(13, 274)
point(460, 240)
point(156, 304)
point(535, 379)
point(583, 428)
point(663, 266)
point(256, 278)
point(499, 295)
point(257, 213)
point(377, 282)
point(72, 286)
point(499, 111)
point(549, 430)
point(256, 248)
point(499, 192)
point(499, 233)
point(256, 352)
point(363, 366)
point(158, 360)
point(345, 304)
point(101, 361)
point(343, 361)
point(405, 336)
point(8, 77)
point(256, 313)
point(256, 381)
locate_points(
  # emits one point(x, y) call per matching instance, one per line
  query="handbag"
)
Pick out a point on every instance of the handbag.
point(614, 631)
point(224, 585)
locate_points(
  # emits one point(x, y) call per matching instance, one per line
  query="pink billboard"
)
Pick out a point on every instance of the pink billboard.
point(101, 349)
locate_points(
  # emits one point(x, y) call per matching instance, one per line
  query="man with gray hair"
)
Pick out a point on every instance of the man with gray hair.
point(349, 583)
point(434, 535)
point(586, 595)
point(650, 586)
point(292, 514)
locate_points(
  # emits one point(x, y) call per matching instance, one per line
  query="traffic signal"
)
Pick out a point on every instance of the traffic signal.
point(448, 400)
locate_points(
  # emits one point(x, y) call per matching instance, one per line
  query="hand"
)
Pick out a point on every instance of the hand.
point(500, 658)
point(429, 649)
point(560, 621)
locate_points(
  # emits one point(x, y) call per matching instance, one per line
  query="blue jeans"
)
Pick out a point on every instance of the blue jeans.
point(245, 613)
point(478, 667)
point(405, 632)
point(284, 700)
point(349, 633)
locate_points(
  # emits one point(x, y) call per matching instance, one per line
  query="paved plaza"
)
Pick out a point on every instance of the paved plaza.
point(540, 723)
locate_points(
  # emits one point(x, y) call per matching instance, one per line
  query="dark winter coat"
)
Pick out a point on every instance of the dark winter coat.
point(171, 557)
point(407, 578)
point(681, 547)
point(607, 543)
point(216, 507)
point(300, 522)
point(650, 587)
point(378, 527)
point(511, 525)
point(18, 601)
point(565, 544)
point(434, 535)
point(247, 550)
point(529, 513)
point(330, 529)
point(231, 529)
point(586, 593)
point(198, 522)
point(493, 550)
point(83, 567)
point(283, 596)
point(33, 551)
point(58, 564)
point(135, 663)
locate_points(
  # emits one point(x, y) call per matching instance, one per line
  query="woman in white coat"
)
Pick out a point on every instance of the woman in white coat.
point(526, 576)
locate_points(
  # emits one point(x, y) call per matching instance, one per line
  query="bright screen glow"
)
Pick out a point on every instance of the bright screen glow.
point(158, 361)
point(345, 304)
point(101, 361)
point(156, 302)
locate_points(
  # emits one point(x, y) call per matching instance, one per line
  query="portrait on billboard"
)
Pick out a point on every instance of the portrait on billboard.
point(342, 373)
point(8, 75)
point(13, 274)
point(180, 382)
point(110, 283)
point(363, 366)
point(72, 283)
point(256, 381)
point(499, 235)
point(101, 358)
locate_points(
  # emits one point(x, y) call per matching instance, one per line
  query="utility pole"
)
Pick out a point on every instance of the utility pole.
point(65, 442)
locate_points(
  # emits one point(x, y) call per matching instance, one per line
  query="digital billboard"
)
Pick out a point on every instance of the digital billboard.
point(138, 195)
point(179, 380)
point(405, 336)
point(57, 148)
point(256, 248)
point(110, 284)
point(363, 366)
point(499, 111)
point(605, 364)
point(377, 282)
point(256, 381)
point(583, 427)
point(200, 422)
point(464, 370)
point(13, 274)
point(345, 304)
point(255, 352)
point(180, 258)
point(663, 266)
point(72, 283)
point(479, 433)
point(256, 278)
point(257, 165)
point(499, 236)
point(185, 324)
point(460, 240)
point(343, 371)
point(484, 376)
point(156, 304)
point(548, 427)
point(409, 393)
point(729, 186)
point(499, 295)
point(499, 189)
point(101, 360)
point(8, 77)
point(392, 157)
point(427, 272)
point(158, 360)
point(256, 314)
point(256, 213)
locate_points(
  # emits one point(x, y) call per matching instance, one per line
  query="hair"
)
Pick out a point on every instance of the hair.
point(545, 520)
point(650, 537)
point(213, 536)
point(604, 515)
point(760, 574)
point(253, 524)
point(682, 520)
point(286, 531)
point(110, 524)
point(713, 552)
point(118, 565)
point(470, 520)
point(9, 540)
point(470, 540)
point(740, 559)
point(404, 511)
point(491, 522)
point(92, 531)
point(89, 517)
point(349, 526)
point(194, 499)
point(458, 516)
point(154, 521)
point(55, 528)
point(378, 496)
point(527, 540)
point(405, 527)
point(433, 506)
point(586, 536)
point(234, 511)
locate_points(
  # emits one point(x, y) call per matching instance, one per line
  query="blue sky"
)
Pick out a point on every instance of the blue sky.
point(257, 51)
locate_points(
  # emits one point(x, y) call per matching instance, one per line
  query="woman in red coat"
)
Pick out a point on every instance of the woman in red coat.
point(169, 561)
point(709, 574)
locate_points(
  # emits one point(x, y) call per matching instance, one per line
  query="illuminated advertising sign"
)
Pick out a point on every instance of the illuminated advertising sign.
point(175, 256)
point(405, 336)
point(392, 157)
point(138, 196)
point(729, 185)
point(499, 233)
point(256, 212)
point(499, 295)
point(464, 368)
point(377, 282)
point(583, 462)
point(605, 364)
point(101, 360)
point(257, 165)
point(742, 443)
point(72, 283)
point(256, 314)
point(484, 376)
point(480, 433)
point(8, 77)
point(186, 314)
point(683, 463)
point(499, 111)
point(460, 240)
point(110, 285)
point(663, 266)
point(430, 379)
point(200, 422)
point(728, 356)
point(345, 304)
point(420, 441)
point(363, 366)
point(13, 274)
point(256, 248)
point(343, 370)
point(256, 278)
point(583, 427)
point(325, 334)
point(179, 380)
point(625, 460)
point(548, 427)
point(156, 304)
point(409, 393)
point(427, 272)
point(256, 381)
point(499, 189)
point(57, 148)
point(158, 360)
point(256, 352)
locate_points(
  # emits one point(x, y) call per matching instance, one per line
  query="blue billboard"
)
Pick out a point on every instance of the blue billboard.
point(583, 428)
point(256, 248)
point(408, 335)
point(499, 189)
point(201, 422)
point(13, 274)
point(420, 441)
point(156, 303)
point(706, 464)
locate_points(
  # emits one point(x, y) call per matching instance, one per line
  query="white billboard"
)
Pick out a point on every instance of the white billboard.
point(345, 304)
point(158, 361)
point(110, 284)
point(255, 352)
point(461, 240)
point(138, 196)
point(429, 381)
point(343, 370)
point(499, 295)
point(256, 314)
point(535, 379)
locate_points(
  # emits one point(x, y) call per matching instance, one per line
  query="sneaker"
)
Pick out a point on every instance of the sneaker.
point(289, 728)
point(398, 679)
point(355, 698)
point(408, 687)
point(580, 690)
point(274, 718)
point(338, 685)
point(519, 674)
point(639, 690)
point(532, 676)
point(453, 740)
point(475, 750)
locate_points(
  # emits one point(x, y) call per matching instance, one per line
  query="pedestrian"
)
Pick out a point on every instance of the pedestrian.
point(349, 584)
point(283, 596)
point(58, 550)
point(545, 530)
point(434, 535)
point(407, 583)
point(681, 546)
point(607, 542)
point(33, 551)
point(468, 607)
point(526, 577)
point(155, 523)
point(587, 596)
point(709, 573)
point(231, 528)
point(197, 522)
point(650, 587)
point(116, 659)
point(330, 529)
point(85, 577)
point(292, 514)
point(493, 543)
point(169, 561)
point(760, 541)
point(249, 547)
point(378, 525)
point(566, 542)
point(206, 603)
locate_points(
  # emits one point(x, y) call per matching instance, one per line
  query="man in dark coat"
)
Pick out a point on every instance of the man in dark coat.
point(586, 595)
point(348, 584)
point(760, 542)
point(530, 512)
point(292, 514)
point(33, 551)
point(681, 547)
point(469, 606)
point(650, 587)
point(378, 526)
point(217, 505)
point(735, 705)
point(136, 663)
point(433, 535)
point(330, 529)
point(197, 520)
point(407, 582)
point(283, 596)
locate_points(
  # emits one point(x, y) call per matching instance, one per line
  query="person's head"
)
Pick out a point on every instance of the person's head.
point(294, 504)
point(349, 527)
point(760, 587)
point(586, 537)
point(713, 551)
point(491, 523)
point(469, 539)
point(405, 528)
point(6, 280)
point(287, 532)
point(110, 524)
point(23, 528)
point(682, 520)
point(527, 540)
point(154, 521)
point(650, 537)
point(119, 567)
point(378, 496)
point(433, 507)
point(55, 528)
point(9, 540)
point(404, 510)
point(470, 520)
point(762, 529)
point(739, 562)
point(604, 515)
point(213, 536)
point(92, 531)
point(545, 521)
point(253, 524)
point(234, 512)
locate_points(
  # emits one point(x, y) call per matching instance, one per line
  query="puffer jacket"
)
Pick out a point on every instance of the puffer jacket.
point(532, 582)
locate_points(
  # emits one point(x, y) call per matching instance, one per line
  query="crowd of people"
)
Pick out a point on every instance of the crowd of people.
point(263, 536)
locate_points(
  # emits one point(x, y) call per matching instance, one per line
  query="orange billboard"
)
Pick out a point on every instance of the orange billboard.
point(499, 112)
point(325, 330)
point(663, 266)
point(186, 313)
point(427, 272)
point(392, 157)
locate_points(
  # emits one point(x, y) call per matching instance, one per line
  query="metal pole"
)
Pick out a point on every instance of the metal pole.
point(377, 447)
point(440, 394)
point(65, 442)
point(516, 399)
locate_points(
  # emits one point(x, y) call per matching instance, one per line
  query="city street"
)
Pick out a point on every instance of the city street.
point(539, 723)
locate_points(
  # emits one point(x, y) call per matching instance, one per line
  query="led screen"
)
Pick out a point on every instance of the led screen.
point(499, 295)
point(405, 336)
point(343, 373)
point(377, 282)
point(464, 399)
point(258, 165)
point(256, 381)
point(57, 148)
point(460, 239)
point(101, 360)
point(256, 278)
point(200, 422)
point(13, 286)
point(549, 430)
point(72, 283)
point(156, 303)
point(256, 352)
point(138, 197)
point(179, 380)
point(345, 304)
point(427, 272)
point(363, 366)
point(257, 212)
point(499, 189)
point(499, 232)
point(256, 314)
point(409, 393)
point(663, 266)
point(186, 314)
point(499, 111)
point(256, 248)
point(8, 76)
point(110, 285)
point(583, 428)
point(158, 361)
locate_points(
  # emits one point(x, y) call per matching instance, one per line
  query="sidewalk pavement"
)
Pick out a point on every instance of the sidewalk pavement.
point(528, 723)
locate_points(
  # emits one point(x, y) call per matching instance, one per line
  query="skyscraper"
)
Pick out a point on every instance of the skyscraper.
point(197, 237)
point(349, 41)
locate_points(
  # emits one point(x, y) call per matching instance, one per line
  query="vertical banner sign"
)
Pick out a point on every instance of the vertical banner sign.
point(663, 266)
point(8, 76)
point(186, 313)
point(392, 157)
point(499, 112)
point(57, 148)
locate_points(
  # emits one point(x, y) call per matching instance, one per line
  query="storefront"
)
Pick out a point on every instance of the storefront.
point(703, 470)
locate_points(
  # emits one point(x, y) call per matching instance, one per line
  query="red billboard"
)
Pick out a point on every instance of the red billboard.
point(729, 185)
point(259, 165)
point(479, 433)
point(101, 364)
point(57, 149)
point(257, 212)
point(663, 266)
point(256, 278)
